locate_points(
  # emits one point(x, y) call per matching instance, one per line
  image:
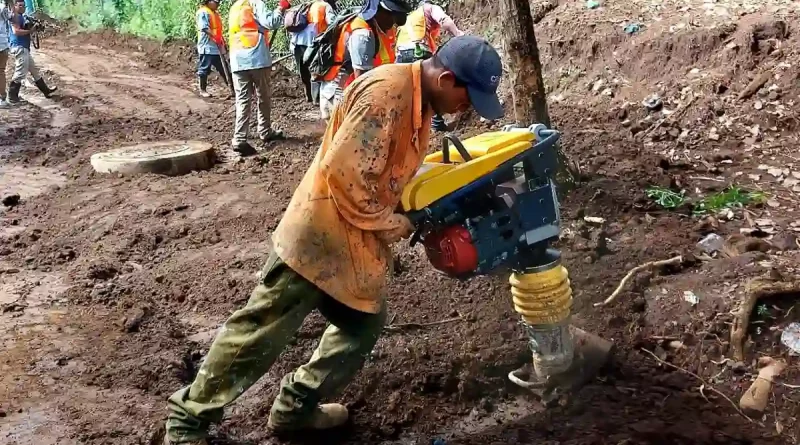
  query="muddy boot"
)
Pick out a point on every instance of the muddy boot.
point(324, 417)
point(193, 442)
point(202, 84)
point(42, 86)
point(244, 149)
point(13, 92)
point(273, 135)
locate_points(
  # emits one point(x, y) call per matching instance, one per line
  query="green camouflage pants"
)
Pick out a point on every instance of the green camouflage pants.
point(253, 337)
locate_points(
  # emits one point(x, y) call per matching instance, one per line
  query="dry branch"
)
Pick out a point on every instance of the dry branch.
point(705, 384)
point(646, 266)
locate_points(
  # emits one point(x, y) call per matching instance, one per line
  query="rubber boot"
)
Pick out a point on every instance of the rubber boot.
point(47, 91)
point(13, 92)
point(244, 149)
point(324, 417)
point(202, 82)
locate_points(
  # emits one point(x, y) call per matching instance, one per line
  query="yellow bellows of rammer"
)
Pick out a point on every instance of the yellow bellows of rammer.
point(542, 297)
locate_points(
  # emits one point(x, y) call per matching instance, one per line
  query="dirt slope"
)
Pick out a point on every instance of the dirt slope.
point(85, 254)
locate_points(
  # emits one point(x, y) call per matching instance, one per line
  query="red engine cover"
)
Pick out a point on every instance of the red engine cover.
point(451, 250)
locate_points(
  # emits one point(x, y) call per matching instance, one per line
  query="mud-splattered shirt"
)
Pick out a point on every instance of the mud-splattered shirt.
point(375, 141)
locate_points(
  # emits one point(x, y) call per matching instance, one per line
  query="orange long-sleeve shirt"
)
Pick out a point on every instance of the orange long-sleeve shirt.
point(375, 142)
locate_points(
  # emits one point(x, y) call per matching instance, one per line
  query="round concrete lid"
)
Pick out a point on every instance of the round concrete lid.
point(164, 157)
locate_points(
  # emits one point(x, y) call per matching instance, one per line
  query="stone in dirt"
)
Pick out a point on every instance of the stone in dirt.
point(11, 200)
point(133, 323)
point(784, 241)
point(711, 243)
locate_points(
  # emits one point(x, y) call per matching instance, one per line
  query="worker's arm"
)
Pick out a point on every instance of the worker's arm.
point(444, 20)
point(17, 29)
point(357, 157)
point(361, 47)
point(266, 18)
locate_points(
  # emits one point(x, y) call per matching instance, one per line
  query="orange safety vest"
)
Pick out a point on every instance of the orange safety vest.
point(243, 30)
point(316, 15)
point(416, 30)
point(386, 43)
point(214, 25)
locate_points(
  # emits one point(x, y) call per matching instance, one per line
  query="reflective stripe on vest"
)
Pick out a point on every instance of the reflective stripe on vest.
point(416, 31)
point(316, 15)
point(243, 29)
point(386, 42)
point(214, 24)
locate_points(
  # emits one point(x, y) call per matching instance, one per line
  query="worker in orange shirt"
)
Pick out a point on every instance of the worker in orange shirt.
point(332, 247)
point(419, 38)
point(365, 42)
point(320, 14)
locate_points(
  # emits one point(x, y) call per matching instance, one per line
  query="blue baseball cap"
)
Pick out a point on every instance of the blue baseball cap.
point(475, 62)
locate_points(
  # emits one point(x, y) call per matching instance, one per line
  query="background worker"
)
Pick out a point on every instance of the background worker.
point(364, 43)
point(5, 30)
point(320, 14)
point(211, 47)
point(332, 246)
point(249, 22)
point(419, 38)
point(21, 29)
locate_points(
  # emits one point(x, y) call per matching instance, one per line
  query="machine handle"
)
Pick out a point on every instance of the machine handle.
point(459, 146)
point(419, 219)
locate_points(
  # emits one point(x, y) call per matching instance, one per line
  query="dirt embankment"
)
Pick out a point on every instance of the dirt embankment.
point(113, 287)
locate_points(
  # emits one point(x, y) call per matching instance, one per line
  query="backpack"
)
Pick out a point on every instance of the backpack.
point(320, 56)
point(296, 19)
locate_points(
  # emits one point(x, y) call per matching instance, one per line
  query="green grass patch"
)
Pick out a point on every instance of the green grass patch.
point(733, 197)
point(667, 198)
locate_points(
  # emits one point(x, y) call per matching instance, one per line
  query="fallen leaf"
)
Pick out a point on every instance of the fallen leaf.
point(778, 426)
point(763, 167)
point(796, 175)
point(764, 222)
point(691, 297)
point(594, 219)
point(791, 182)
point(776, 172)
point(773, 203)
point(754, 177)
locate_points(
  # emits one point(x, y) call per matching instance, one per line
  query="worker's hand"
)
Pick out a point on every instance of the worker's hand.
point(403, 229)
point(283, 5)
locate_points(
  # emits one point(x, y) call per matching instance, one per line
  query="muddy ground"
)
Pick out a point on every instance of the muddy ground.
point(113, 287)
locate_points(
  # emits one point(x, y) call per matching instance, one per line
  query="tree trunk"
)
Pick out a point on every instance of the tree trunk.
point(527, 84)
point(530, 103)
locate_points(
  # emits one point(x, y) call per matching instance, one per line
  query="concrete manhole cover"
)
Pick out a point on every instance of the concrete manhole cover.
point(166, 158)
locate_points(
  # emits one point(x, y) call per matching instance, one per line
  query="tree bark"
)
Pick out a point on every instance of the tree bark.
point(519, 39)
point(525, 73)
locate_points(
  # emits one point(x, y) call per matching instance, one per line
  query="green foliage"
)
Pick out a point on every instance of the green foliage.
point(665, 197)
point(157, 19)
point(732, 197)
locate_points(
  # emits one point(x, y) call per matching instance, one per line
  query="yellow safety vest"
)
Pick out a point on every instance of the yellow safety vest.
point(416, 31)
